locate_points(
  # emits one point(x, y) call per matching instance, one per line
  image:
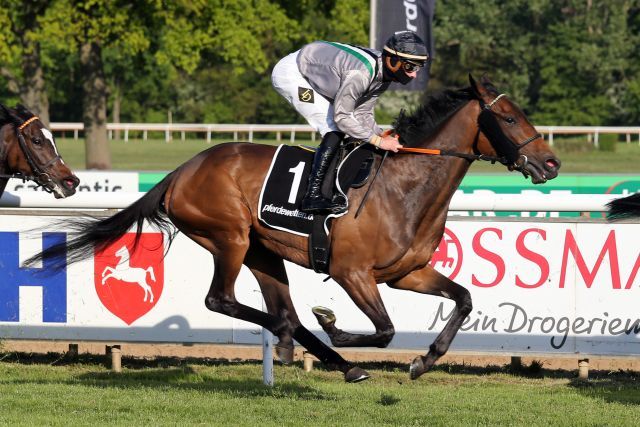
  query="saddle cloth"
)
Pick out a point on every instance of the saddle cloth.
point(286, 184)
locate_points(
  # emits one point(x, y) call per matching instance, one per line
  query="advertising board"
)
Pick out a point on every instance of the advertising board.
point(557, 287)
point(90, 181)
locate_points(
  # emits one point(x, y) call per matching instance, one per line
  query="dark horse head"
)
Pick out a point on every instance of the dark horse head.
point(509, 132)
point(498, 130)
point(28, 150)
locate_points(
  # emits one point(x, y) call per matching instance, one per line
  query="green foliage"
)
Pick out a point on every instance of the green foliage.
point(566, 62)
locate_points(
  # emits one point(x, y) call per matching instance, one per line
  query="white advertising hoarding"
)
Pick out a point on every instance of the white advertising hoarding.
point(540, 287)
point(90, 181)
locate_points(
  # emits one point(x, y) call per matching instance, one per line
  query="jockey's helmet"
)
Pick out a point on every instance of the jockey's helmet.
point(404, 52)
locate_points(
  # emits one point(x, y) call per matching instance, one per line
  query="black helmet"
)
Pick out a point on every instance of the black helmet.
point(407, 46)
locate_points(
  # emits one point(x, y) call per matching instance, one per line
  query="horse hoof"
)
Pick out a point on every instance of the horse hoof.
point(416, 368)
point(325, 316)
point(285, 354)
point(355, 375)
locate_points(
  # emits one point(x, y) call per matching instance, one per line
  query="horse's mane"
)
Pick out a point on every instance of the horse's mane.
point(14, 116)
point(414, 127)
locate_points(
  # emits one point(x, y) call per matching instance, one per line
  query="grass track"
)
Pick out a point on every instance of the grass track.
point(174, 392)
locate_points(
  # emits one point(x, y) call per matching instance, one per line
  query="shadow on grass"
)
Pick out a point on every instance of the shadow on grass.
point(613, 387)
point(162, 372)
point(187, 379)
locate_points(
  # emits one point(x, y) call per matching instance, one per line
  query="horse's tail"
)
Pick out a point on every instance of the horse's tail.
point(625, 207)
point(150, 271)
point(101, 233)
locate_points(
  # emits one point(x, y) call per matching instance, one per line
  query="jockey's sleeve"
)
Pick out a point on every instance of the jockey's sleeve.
point(365, 114)
point(348, 99)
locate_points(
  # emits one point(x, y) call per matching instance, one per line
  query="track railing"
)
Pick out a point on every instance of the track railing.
point(240, 130)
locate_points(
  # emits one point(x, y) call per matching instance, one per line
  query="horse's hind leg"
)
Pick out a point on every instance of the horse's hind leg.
point(271, 275)
point(429, 281)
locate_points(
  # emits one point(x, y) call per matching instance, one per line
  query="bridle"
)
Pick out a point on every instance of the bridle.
point(507, 150)
point(504, 146)
point(40, 175)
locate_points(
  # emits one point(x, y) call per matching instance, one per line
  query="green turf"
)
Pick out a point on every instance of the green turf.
point(157, 155)
point(50, 392)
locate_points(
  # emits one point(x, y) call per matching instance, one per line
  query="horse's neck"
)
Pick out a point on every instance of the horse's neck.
point(432, 180)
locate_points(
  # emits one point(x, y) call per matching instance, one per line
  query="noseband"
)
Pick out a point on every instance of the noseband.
point(504, 146)
point(41, 177)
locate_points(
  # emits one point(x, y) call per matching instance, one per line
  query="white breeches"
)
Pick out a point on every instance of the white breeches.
point(289, 83)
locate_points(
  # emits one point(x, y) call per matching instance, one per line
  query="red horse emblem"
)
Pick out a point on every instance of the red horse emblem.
point(446, 260)
point(129, 283)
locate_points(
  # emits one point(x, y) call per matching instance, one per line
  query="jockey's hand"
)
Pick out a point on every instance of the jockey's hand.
point(386, 142)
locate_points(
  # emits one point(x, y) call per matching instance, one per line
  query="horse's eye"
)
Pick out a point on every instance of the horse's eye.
point(510, 120)
point(37, 141)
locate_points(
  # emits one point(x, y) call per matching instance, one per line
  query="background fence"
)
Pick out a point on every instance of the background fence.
point(236, 130)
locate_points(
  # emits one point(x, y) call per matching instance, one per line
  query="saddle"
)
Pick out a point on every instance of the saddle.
point(286, 183)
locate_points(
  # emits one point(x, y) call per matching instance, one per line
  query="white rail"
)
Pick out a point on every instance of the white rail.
point(460, 202)
point(593, 132)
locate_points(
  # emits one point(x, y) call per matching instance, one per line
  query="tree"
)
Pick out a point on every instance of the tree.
point(86, 28)
point(21, 55)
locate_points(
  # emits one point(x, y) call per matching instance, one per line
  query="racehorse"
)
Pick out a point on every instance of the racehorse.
point(213, 199)
point(126, 273)
point(28, 151)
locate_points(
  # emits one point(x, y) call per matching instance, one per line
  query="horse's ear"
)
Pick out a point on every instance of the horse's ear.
point(474, 86)
point(23, 112)
point(5, 114)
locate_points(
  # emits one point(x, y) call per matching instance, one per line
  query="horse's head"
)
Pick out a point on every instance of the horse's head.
point(27, 148)
point(506, 132)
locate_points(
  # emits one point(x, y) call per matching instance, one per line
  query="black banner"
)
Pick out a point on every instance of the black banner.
point(400, 15)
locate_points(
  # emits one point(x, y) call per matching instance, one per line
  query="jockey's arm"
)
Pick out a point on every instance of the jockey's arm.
point(358, 121)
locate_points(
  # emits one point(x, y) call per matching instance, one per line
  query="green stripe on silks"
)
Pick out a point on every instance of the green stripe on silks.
point(355, 53)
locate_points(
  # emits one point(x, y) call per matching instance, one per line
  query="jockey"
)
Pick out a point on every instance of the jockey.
point(335, 87)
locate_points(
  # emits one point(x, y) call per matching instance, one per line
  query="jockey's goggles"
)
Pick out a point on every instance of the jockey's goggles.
point(410, 67)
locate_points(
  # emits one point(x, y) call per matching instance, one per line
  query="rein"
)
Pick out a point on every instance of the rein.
point(435, 152)
point(487, 120)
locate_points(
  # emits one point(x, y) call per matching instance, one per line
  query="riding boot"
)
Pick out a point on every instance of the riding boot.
point(313, 201)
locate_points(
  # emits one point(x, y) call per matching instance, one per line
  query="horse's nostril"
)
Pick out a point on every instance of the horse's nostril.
point(71, 182)
point(552, 163)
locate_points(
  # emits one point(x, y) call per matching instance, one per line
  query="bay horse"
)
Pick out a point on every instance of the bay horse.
point(28, 151)
point(213, 199)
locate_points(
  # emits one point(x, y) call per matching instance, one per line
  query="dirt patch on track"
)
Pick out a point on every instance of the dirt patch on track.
point(254, 352)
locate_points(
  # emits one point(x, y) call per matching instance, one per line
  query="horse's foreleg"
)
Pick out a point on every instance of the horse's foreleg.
point(271, 275)
point(363, 290)
point(429, 281)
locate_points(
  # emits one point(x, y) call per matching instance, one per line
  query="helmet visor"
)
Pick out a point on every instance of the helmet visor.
point(410, 67)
